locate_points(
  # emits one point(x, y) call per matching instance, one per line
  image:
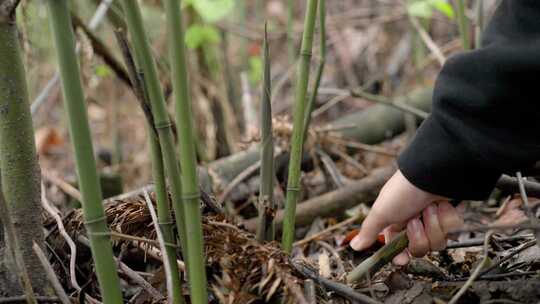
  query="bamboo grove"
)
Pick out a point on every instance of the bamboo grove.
point(173, 165)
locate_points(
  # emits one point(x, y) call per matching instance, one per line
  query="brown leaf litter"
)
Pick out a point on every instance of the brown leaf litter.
point(240, 269)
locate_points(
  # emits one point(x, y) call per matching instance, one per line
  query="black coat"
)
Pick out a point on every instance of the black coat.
point(486, 110)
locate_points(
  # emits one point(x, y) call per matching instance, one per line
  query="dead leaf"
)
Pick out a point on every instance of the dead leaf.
point(325, 270)
point(47, 138)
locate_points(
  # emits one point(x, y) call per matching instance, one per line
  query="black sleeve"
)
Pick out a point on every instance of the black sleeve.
point(486, 111)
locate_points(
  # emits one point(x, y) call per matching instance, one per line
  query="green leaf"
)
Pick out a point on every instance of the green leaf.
point(212, 10)
point(198, 35)
point(255, 69)
point(421, 9)
point(424, 8)
point(444, 7)
point(102, 71)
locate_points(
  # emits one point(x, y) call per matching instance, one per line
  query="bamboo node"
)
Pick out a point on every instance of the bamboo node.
point(163, 125)
point(189, 196)
point(293, 189)
point(169, 223)
point(306, 53)
point(102, 219)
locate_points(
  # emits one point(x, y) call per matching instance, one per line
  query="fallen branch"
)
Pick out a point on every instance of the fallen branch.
point(511, 184)
point(506, 258)
point(341, 289)
point(359, 217)
point(532, 215)
point(369, 126)
point(480, 241)
point(335, 202)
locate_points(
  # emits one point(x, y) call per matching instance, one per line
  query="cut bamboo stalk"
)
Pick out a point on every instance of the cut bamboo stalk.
point(380, 258)
point(293, 182)
point(266, 231)
point(94, 215)
point(188, 160)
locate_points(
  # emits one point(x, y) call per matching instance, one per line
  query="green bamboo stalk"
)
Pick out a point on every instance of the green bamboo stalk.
point(244, 55)
point(158, 173)
point(166, 223)
point(463, 24)
point(479, 23)
point(188, 161)
point(380, 258)
point(266, 229)
point(94, 215)
point(293, 183)
point(290, 31)
point(20, 170)
point(320, 67)
point(159, 112)
point(260, 9)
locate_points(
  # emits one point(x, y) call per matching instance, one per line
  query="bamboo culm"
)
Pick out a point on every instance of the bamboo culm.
point(320, 67)
point(94, 216)
point(293, 183)
point(266, 229)
point(20, 169)
point(290, 32)
point(166, 223)
point(159, 112)
point(463, 24)
point(188, 160)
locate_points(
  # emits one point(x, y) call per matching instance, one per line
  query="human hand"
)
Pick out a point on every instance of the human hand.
point(400, 204)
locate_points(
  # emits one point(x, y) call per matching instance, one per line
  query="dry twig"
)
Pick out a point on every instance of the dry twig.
point(72, 248)
point(476, 272)
point(51, 276)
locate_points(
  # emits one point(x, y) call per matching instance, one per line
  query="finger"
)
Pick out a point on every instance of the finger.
point(371, 227)
point(449, 217)
point(434, 233)
point(391, 231)
point(418, 242)
point(401, 259)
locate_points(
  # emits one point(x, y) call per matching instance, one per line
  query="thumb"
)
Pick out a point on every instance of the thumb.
point(371, 227)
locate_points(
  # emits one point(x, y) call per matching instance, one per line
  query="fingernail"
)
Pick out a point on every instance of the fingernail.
point(445, 206)
point(431, 210)
point(414, 227)
point(358, 243)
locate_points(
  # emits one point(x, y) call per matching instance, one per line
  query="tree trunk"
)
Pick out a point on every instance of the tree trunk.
point(18, 160)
